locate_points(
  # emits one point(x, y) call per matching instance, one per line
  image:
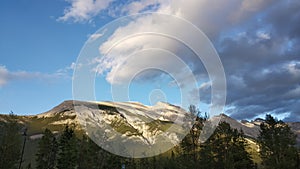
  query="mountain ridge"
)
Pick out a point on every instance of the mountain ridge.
point(129, 121)
point(64, 113)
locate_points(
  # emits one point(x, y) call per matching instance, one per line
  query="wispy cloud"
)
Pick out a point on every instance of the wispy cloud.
point(197, 11)
point(83, 10)
point(7, 76)
point(95, 36)
point(134, 7)
point(66, 70)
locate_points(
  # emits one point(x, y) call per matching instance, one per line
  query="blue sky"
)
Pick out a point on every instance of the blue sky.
point(34, 42)
point(257, 42)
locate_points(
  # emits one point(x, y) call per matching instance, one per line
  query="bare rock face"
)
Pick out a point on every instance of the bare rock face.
point(66, 107)
point(133, 124)
point(134, 120)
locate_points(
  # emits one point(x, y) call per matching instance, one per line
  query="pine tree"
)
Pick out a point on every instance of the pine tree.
point(154, 162)
point(144, 163)
point(172, 161)
point(88, 156)
point(225, 149)
point(10, 143)
point(47, 151)
point(67, 157)
point(190, 143)
point(29, 166)
point(277, 143)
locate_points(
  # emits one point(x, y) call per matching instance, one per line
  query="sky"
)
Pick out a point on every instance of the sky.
point(258, 43)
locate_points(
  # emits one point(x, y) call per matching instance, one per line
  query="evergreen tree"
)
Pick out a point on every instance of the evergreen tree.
point(112, 161)
point(133, 164)
point(105, 159)
point(47, 151)
point(10, 143)
point(88, 156)
point(277, 143)
point(29, 166)
point(144, 163)
point(225, 149)
point(154, 162)
point(67, 158)
point(190, 144)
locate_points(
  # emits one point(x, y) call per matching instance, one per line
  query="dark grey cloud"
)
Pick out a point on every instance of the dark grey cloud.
point(262, 64)
point(284, 17)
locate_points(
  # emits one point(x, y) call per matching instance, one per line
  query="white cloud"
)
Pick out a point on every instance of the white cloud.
point(200, 12)
point(293, 68)
point(66, 70)
point(7, 76)
point(138, 6)
point(205, 85)
point(95, 36)
point(263, 35)
point(213, 17)
point(210, 16)
point(3, 75)
point(120, 61)
point(83, 10)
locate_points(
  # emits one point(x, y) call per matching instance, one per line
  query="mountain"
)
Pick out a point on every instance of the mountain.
point(134, 119)
point(142, 123)
point(130, 119)
point(137, 126)
point(252, 128)
point(131, 125)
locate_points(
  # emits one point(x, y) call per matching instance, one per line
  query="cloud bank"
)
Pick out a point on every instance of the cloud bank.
point(258, 42)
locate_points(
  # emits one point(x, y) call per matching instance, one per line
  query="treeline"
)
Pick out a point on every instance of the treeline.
point(225, 149)
point(10, 142)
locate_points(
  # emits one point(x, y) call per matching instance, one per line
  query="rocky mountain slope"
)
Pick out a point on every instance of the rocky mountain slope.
point(135, 125)
point(130, 119)
point(126, 118)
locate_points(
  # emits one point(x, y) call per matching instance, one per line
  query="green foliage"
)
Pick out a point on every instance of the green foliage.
point(225, 149)
point(91, 156)
point(10, 143)
point(29, 166)
point(67, 158)
point(190, 144)
point(277, 143)
point(87, 154)
point(47, 151)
